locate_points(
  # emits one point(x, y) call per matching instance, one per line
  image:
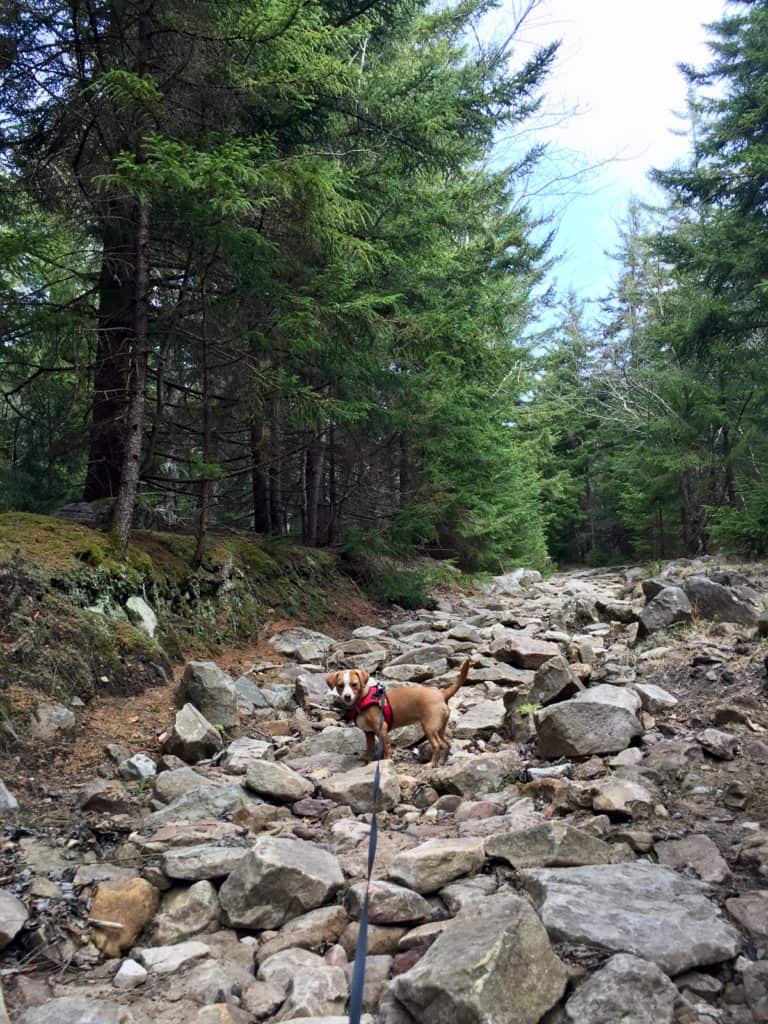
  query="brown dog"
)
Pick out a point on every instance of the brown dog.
point(407, 704)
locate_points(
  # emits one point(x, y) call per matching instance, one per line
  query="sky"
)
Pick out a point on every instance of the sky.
point(610, 106)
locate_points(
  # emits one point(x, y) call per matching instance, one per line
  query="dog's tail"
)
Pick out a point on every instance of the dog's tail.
point(449, 691)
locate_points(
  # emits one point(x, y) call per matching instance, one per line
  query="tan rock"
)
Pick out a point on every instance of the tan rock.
point(120, 911)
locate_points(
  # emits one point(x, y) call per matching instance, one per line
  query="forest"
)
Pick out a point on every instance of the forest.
point(262, 268)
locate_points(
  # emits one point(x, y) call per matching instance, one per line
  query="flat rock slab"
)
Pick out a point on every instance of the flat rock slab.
point(575, 728)
point(697, 852)
point(625, 989)
point(169, 959)
point(277, 782)
point(355, 788)
point(473, 775)
point(193, 863)
point(430, 866)
point(552, 844)
point(523, 650)
point(640, 908)
point(751, 911)
point(493, 964)
point(80, 1010)
point(481, 720)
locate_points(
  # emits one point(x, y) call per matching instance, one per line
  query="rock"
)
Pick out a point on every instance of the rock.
point(377, 970)
point(431, 865)
point(713, 601)
point(621, 796)
point(697, 852)
point(654, 698)
point(130, 976)
point(221, 1013)
point(211, 691)
point(193, 863)
point(178, 782)
point(138, 766)
point(553, 681)
point(80, 1010)
point(626, 988)
point(467, 892)
point(262, 999)
point(355, 788)
point(106, 796)
point(203, 803)
point(50, 721)
point(636, 907)
point(423, 655)
point(612, 696)
point(722, 745)
point(212, 981)
point(169, 959)
point(481, 721)
point(278, 880)
point(552, 844)
point(472, 775)
point(141, 615)
point(8, 802)
point(315, 930)
point(388, 904)
point(242, 752)
point(184, 912)
point(382, 939)
point(277, 782)
point(304, 645)
point(316, 992)
point(574, 728)
point(523, 650)
point(755, 978)
point(128, 902)
point(492, 965)
point(503, 675)
point(669, 606)
point(13, 917)
point(751, 911)
point(192, 738)
point(416, 673)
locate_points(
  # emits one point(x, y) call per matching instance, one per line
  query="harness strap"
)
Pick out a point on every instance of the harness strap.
point(361, 950)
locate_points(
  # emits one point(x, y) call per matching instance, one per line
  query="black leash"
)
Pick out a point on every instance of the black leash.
point(361, 951)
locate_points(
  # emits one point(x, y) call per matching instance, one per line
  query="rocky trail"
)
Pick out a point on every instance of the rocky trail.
point(594, 851)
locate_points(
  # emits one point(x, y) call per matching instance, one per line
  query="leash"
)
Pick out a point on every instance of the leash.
point(361, 950)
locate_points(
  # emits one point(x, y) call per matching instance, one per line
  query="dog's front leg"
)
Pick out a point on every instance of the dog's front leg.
point(370, 747)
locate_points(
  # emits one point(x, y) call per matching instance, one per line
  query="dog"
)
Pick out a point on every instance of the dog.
point(402, 706)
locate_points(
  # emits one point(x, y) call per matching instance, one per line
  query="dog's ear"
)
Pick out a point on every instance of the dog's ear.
point(363, 676)
point(331, 680)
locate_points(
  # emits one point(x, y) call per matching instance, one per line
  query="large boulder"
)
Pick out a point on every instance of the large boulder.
point(613, 696)
point(278, 880)
point(192, 737)
point(185, 911)
point(211, 691)
point(355, 788)
point(574, 728)
point(13, 917)
point(711, 600)
point(554, 681)
point(431, 865)
point(551, 844)
point(669, 606)
point(523, 650)
point(481, 721)
point(277, 782)
point(493, 964)
point(626, 988)
point(141, 615)
point(638, 908)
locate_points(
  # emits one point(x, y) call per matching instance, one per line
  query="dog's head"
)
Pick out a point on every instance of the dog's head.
point(349, 684)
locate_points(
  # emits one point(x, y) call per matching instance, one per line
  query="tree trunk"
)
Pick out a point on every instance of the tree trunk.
point(112, 370)
point(275, 472)
point(333, 507)
point(129, 477)
point(204, 501)
point(313, 478)
point(260, 482)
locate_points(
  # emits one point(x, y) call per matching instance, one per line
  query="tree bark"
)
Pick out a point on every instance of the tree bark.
point(260, 482)
point(313, 478)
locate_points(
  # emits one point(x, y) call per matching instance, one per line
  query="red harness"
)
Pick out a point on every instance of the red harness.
point(376, 695)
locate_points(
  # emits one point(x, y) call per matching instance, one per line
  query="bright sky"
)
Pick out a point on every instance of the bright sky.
point(618, 64)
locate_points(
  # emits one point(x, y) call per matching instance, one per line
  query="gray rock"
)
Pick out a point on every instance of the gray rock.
point(277, 782)
point(617, 795)
point(552, 844)
point(435, 652)
point(654, 698)
point(333, 739)
point(138, 766)
point(722, 745)
point(180, 781)
point(207, 802)
point(211, 691)
point(184, 912)
point(130, 976)
point(141, 615)
point(713, 601)
point(315, 930)
point(553, 681)
point(193, 863)
point(474, 775)
point(50, 721)
point(8, 802)
point(755, 978)
point(493, 964)
point(751, 911)
point(304, 645)
point(242, 752)
point(169, 959)
point(192, 738)
point(697, 852)
point(278, 880)
point(613, 696)
point(377, 970)
point(625, 989)
point(669, 606)
point(637, 907)
point(355, 788)
point(388, 904)
point(212, 982)
point(13, 917)
point(433, 864)
point(468, 892)
point(481, 721)
point(574, 728)
point(80, 1010)
point(249, 695)
point(315, 992)
point(522, 650)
